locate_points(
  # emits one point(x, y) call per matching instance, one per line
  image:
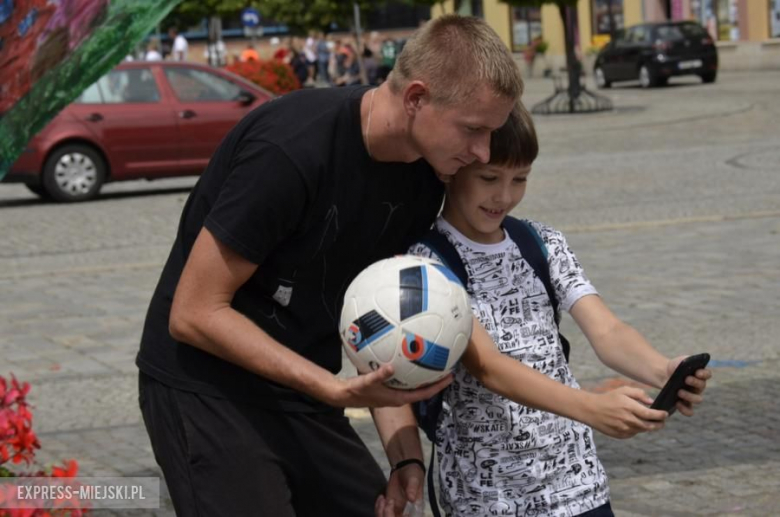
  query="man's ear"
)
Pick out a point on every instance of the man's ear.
point(416, 94)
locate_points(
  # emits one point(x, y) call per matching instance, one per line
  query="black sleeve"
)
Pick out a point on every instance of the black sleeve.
point(261, 202)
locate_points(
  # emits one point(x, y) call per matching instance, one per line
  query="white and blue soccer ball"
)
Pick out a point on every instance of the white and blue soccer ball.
point(411, 312)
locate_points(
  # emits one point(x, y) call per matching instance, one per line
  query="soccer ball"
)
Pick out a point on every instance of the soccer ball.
point(411, 312)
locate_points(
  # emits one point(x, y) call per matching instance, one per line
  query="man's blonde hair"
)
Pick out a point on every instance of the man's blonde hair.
point(453, 55)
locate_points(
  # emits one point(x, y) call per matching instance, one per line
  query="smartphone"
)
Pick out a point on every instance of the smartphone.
point(667, 399)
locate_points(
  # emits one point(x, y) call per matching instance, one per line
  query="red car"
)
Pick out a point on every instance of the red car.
point(141, 120)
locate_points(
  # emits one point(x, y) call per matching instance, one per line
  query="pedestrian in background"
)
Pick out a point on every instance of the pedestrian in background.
point(388, 51)
point(310, 53)
point(180, 46)
point(323, 60)
point(153, 51)
point(249, 54)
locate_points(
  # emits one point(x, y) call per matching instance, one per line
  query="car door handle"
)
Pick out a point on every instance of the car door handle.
point(95, 117)
point(186, 114)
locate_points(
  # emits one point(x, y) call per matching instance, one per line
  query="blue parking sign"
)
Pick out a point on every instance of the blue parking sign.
point(250, 17)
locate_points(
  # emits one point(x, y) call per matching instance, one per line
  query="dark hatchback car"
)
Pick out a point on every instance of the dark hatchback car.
point(654, 52)
point(141, 120)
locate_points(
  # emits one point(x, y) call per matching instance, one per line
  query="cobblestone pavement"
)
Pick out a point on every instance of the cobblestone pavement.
point(671, 202)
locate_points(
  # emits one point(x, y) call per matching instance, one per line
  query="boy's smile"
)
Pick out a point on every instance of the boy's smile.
point(480, 196)
point(494, 213)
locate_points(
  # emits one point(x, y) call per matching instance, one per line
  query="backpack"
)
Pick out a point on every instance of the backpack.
point(534, 251)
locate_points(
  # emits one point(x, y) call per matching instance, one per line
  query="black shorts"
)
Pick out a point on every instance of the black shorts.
point(605, 510)
point(220, 457)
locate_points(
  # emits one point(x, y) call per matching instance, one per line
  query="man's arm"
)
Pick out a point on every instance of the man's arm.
point(201, 316)
point(622, 348)
point(397, 429)
point(619, 413)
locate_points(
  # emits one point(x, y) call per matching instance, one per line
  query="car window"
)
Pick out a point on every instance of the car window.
point(639, 35)
point(192, 85)
point(132, 85)
point(91, 95)
point(692, 30)
point(669, 33)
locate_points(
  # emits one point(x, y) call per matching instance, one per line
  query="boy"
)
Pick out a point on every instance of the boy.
point(497, 456)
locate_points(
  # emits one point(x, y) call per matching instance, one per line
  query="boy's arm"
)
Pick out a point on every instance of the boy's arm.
point(622, 348)
point(397, 429)
point(201, 316)
point(619, 413)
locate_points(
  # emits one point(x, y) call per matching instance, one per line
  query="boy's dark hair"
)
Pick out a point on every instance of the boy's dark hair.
point(514, 144)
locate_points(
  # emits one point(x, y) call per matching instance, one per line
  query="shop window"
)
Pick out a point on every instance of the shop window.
point(601, 15)
point(728, 30)
point(526, 26)
point(469, 8)
point(774, 18)
point(719, 17)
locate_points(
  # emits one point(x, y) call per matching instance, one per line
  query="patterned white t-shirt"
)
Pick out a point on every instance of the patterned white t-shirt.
point(497, 457)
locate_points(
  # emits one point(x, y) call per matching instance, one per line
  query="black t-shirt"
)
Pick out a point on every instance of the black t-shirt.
point(292, 189)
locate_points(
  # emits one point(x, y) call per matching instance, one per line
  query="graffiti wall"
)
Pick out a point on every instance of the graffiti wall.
point(51, 50)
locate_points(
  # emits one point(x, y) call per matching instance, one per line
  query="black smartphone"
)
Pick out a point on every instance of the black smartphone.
point(667, 399)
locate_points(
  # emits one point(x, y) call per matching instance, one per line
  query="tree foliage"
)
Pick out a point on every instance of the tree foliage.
point(192, 12)
point(299, 15)
point(303, 15)
point(429, 3)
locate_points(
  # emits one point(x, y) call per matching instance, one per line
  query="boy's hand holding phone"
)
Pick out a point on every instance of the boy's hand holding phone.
point(623, 413)
point(686, 384)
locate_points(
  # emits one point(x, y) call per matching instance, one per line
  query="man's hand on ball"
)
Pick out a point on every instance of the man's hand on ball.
point(369, 390)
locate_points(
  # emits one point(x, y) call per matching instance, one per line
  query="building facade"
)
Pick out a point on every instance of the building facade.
point(747, 32)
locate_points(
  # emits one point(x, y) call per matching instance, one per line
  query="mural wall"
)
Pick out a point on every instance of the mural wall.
point(52, 50)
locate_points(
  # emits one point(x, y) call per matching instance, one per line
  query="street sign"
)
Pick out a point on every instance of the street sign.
point(250, 17)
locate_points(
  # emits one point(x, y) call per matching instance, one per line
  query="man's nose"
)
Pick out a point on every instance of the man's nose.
point(481, 148)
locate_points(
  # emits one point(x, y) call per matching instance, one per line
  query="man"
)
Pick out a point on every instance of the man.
point(179, 46)
point(240, 346)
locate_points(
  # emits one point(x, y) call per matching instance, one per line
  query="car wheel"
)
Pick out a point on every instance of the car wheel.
point(74, 173)
point(601, 79)
point(709, 77)
point(39, 191)
point(647, 78)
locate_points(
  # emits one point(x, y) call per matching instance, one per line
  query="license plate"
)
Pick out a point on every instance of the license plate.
point(687, 65)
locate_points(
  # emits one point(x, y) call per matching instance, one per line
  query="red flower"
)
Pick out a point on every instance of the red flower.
point(18, 443)
point(275, 76)
point(69, 471)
